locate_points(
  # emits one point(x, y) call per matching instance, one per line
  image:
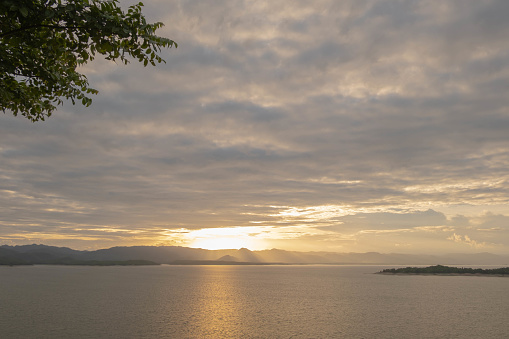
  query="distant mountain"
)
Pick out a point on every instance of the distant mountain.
point(228, 258)
point(37, 254)
point(42, 254)
point(11, 257)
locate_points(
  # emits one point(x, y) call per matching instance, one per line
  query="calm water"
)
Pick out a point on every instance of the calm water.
point(247, 302)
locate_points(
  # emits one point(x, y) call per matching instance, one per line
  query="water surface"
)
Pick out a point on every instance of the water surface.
point(247, 302)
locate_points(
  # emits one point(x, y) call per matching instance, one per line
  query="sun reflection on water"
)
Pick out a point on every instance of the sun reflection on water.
point(217, 309)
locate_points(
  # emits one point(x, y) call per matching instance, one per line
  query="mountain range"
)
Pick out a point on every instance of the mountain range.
point(43, 254)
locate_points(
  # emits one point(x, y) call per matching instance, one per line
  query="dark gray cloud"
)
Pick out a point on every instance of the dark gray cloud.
point(361, 124)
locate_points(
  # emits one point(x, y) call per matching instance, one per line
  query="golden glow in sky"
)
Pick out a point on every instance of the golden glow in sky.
point(342, 126)
point(226, 238)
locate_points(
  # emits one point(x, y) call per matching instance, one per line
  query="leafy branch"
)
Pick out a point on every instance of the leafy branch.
point(42, 42)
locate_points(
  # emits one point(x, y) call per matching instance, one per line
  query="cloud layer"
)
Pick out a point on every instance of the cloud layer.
point(350, 126)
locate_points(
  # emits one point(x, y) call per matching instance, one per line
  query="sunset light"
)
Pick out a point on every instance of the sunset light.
point(226, 238)
point(250, 169)
point(352, 126)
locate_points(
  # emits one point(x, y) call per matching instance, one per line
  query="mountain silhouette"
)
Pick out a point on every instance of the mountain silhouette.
point(43, 254)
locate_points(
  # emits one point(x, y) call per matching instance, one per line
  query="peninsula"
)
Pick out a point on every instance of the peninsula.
point(447, 270)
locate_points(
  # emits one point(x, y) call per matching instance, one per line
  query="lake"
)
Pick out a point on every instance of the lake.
point(247, 302)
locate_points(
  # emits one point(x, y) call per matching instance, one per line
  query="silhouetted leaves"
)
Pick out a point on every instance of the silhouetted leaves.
point(42, 42)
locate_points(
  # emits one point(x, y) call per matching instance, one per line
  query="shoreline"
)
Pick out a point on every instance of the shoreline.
point(448, 274)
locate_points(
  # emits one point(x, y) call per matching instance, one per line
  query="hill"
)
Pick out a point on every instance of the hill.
point(43, 254)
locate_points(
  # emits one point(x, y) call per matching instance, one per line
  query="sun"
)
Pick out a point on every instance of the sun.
point(219, 243)
point(225, 238)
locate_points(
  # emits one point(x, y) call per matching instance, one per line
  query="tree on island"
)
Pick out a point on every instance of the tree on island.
point(43, 42)
point(440, 269)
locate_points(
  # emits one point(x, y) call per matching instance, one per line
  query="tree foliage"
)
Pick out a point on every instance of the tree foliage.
point(440, 269)
point(43, 42)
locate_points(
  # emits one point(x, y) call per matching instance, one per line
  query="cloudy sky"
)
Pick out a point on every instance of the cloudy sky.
point(347, 126)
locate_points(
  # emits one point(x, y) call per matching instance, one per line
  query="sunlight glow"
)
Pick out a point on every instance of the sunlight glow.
point(227, 238)
point(254, 238)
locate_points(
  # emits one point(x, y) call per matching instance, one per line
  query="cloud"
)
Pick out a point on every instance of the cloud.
point(354, 116)
point(387, 220)
point(466, 240)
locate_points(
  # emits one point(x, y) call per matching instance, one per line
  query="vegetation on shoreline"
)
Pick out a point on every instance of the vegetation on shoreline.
point(440, 269)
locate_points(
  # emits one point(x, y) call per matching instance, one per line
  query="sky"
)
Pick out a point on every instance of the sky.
point(349, 126)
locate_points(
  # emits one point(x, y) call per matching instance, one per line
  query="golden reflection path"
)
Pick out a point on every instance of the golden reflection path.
point(214, 311)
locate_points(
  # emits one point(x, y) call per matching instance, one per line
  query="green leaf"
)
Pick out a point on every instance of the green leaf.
point(24, 11)
point(39, 60)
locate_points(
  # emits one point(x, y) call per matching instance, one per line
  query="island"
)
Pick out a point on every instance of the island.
point(446, 270)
